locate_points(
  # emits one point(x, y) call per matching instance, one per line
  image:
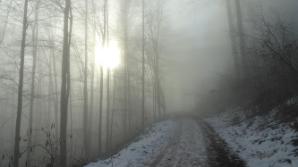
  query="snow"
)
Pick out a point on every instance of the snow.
point(261, 140)
point(178, 142)
point(188, 149)
point(144, 149)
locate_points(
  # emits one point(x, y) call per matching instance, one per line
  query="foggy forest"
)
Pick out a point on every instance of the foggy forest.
point(148, 83)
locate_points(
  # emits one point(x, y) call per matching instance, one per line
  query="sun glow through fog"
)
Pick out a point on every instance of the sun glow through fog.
point(108, 57)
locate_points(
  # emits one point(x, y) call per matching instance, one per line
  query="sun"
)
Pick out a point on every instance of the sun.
point(108, 57)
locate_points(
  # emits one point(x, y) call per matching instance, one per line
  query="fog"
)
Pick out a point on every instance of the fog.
point(199, 50)
point(200, 53)
point(175, 57)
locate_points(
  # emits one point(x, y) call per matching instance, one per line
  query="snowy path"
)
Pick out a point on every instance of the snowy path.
point(187, 150)
point(173, 143)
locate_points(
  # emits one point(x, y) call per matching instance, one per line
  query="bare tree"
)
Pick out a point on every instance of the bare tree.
point(85, 124)
point(108, 123)
point(92, 66)
point(32, 93)
point(100, 110)
point(232, 37)
point(143, 64)
point(20, 89)
point(242, 43)
point(65, 83)
point(125, 6)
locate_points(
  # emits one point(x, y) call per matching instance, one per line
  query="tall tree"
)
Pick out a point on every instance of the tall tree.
point(32, 93)
point(65, 83)
point(106, 44)
point(143, 64)
point(85, 124)
point(56, 94)
point(20, 89)
point(97, 30)
point(242, 43)
point(100, 110)
point(101, 79)
point(108, 123)
point(126, 75)
point(232, 37)
point(92, 66)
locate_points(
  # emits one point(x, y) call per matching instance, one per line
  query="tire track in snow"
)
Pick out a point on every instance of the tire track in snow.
point(163, 152)
point(186, 150)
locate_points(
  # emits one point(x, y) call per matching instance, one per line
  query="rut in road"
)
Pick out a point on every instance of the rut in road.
point(182, 142)
point(187, 149)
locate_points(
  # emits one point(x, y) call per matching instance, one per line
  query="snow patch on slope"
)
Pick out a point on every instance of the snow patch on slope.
point(261, 141)
point(143, 149)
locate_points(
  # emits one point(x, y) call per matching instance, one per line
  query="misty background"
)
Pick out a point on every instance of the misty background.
point(195, 58)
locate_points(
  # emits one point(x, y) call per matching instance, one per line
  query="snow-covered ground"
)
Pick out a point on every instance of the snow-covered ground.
point(143, 149)
point(261, 141)
point(188, 148)
point(172, 143)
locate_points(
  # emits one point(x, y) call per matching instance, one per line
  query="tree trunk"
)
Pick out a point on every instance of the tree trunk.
point(127, 117)
point(71, 124)
point(91, 112)
point(108, 113)
point(232, 37)
point(65, 85)
point(20, 90)
point(143, 64)
point(85, 124)
point(241, 37)
point(32, 93)
point(100, 111)
point(56, 103)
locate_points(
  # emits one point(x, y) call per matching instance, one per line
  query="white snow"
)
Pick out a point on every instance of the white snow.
point(144, 149)
point(167, 144)
point(260, 141)
point(188, 149)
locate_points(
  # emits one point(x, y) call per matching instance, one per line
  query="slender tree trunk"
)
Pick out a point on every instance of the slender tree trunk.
point(100, 111)
point(91, 112)
point(242, 43)
point(155, 95)
point(86, 129)
point(53, 76)
point(56, 101)
point(232, 37)
point(20, 90)
point(32, 93)
point(104, 39)
point(92, 87)
point(49, 95)
point(52, 95)
point(71, 124)
point(65, 85)
point(127, 112)
point(143, 64)
point(106, 44)
point(158, 85)
point(108, 113)
point(113, 77)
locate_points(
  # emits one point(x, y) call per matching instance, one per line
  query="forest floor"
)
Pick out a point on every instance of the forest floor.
point(183, 142)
